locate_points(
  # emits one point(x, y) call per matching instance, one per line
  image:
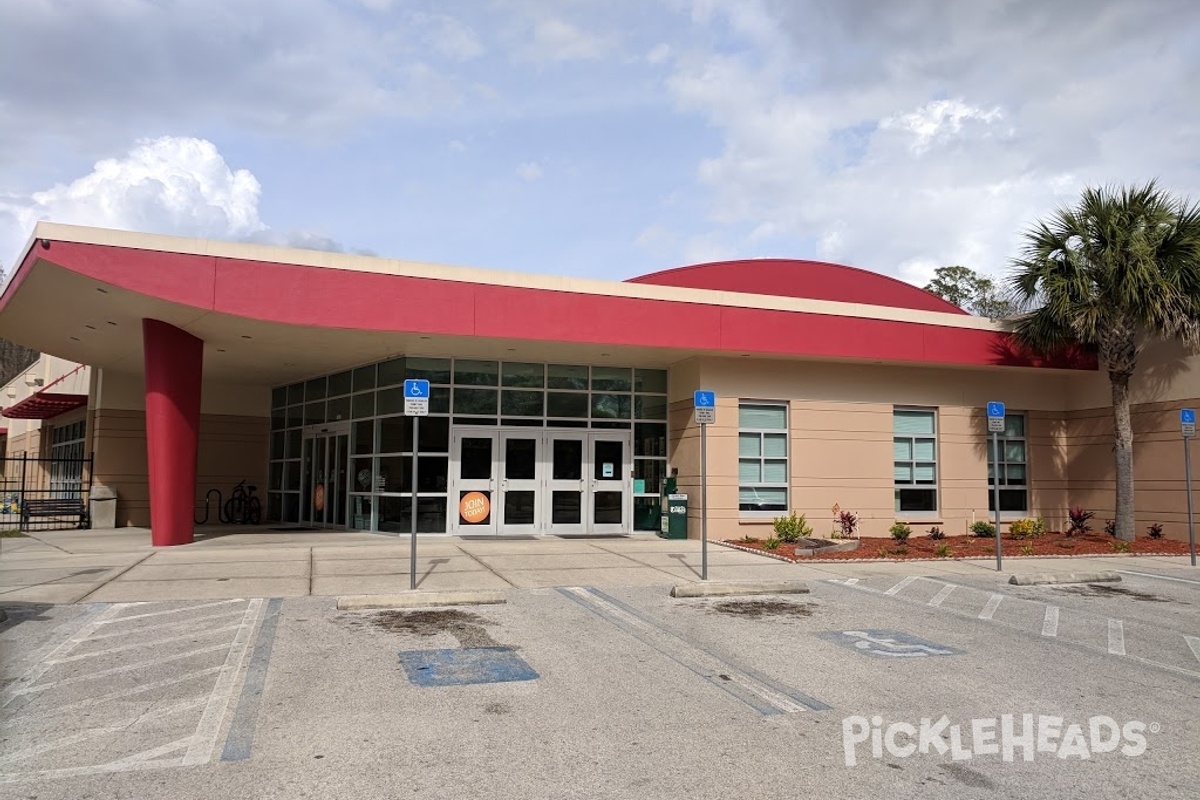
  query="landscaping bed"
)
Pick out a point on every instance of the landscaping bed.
point(922, 547)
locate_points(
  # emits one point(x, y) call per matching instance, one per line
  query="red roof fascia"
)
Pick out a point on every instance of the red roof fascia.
point(44, 405)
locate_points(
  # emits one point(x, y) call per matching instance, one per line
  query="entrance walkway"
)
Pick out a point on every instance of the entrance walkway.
point(121, 566)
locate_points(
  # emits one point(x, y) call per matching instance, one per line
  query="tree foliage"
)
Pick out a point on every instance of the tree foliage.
point(1118, 270)
point(970, 291)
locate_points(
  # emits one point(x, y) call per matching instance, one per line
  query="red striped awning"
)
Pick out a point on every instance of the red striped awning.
point(44, 405)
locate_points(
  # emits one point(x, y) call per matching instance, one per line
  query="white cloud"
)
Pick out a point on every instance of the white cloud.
point(449, 36)
point(529, 171)
point(925, 142)
point(659, 53)
point(173, 185)
point(559, 40)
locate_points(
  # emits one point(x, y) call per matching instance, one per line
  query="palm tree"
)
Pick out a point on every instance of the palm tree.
point(1119, 270)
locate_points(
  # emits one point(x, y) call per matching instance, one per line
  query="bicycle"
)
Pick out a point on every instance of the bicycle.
point(242, 507)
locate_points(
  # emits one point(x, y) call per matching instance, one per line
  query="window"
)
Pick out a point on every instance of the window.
point(1013, 472)
point(915, 456)
point(67, 444)
point(762, 457)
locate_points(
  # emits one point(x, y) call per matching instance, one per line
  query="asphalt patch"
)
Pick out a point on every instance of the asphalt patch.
point(757, 609)
point(467, 628)
point(1105, 590)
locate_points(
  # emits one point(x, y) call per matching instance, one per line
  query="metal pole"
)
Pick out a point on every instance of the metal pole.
point(703, 502)
point(996, 493)
point(412, 555)
point(1187, 472)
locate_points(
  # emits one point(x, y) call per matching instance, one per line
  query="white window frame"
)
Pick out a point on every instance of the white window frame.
point(762, 459)
point(1009, 487)
point(935, 487)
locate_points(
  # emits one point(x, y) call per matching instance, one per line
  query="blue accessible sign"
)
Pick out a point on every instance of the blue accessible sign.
point(416, 397)
point(1187, 420)
point(995, 415)
point(705, 402)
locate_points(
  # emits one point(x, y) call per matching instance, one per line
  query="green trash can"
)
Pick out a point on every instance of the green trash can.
point(674, 517)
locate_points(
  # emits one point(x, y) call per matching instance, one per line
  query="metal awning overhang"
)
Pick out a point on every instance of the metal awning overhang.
point(44, 405)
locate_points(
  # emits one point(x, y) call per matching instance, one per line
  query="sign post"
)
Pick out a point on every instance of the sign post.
point(995, 418)
point(416, 405)
point(705, 403)
point(1187, 421)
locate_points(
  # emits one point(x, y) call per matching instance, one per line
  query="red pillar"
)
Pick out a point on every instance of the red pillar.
point(174, 368)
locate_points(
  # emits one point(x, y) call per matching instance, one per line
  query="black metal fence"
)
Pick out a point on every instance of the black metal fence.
point(45, 493)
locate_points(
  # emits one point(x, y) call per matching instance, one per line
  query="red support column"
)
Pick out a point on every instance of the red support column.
point(174, 368)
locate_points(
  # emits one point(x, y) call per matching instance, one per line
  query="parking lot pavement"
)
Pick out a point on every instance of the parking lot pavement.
point(583, 691)
point(1149, 617)
point(122, 687)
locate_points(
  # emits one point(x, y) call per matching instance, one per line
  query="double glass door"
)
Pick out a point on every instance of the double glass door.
point(539, 481)
point(325, 455)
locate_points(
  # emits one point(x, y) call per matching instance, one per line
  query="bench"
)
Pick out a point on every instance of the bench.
point(54, 507)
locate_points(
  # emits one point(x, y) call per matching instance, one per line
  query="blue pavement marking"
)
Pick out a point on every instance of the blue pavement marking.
point(758, 699)
point(461, 667)
point(241, 731)
point(888, 644)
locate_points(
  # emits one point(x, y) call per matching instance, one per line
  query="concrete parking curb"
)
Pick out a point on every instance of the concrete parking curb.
point(421, 600)
point(1038, 578)
point(731, 588)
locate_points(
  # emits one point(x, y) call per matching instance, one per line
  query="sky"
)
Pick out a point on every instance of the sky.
point(593, 138)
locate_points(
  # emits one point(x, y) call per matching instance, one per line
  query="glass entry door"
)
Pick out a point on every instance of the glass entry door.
point(565, 497)
point(610, 491)
point(325, 456)
point(540, 481)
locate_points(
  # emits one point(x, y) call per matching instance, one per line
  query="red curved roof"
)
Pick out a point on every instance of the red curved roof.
point(814, 280)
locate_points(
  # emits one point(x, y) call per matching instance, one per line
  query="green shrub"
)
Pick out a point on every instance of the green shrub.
point(1026, 549)
point(792, 529)
point(1039, 526)
point(901, 531)
point(772, 543)
point(1120, 546)
point(1022, 529)
point(943, 551)
point(983, 528)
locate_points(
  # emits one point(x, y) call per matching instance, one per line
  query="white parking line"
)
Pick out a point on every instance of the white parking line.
point(140, 645)
point(205, 739)
point(1193, 642)
point(1158, 577)
point(92, 733)
point(190, 621)
point(104, 698)
point(992, 604)
point(941, 596)
point(18, 687)
point(899, 587)
point(1050, 623)
point(851, 581)
point(1116, 637)
point(169, 611)
point(104, 673)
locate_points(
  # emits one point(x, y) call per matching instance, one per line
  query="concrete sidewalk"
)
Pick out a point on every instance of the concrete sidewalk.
point(62, 567)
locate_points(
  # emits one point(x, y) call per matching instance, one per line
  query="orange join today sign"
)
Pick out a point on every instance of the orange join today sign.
point(474, 507)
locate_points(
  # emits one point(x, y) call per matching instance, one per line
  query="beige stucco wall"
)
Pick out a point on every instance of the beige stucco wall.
point(234, 431)
point(840, 420)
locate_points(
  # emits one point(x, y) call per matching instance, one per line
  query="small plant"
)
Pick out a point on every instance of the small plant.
point(899, 551)
point(772, 543)
point(1110, 527)
point(942, 551)
point(750, 540)
point(1154, 531)
point(983, 528)
point(936, 533)
point(1120, 546)
point(901, 531)
point(1026, 549)
point(792, 529)
point(848, 524)
point(1078, 519)
point(1039, 526)
point(1022, 529)
point(883, 552)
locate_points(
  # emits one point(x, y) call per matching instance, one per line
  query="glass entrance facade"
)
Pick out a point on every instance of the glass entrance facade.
point(475, 395)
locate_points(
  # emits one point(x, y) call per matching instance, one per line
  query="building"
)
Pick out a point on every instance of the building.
point(558, 405)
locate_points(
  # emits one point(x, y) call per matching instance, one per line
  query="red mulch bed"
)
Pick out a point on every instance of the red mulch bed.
point(917, 546)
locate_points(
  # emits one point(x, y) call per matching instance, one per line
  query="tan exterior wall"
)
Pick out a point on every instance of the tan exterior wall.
point(233, 442)
point(840, 443)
